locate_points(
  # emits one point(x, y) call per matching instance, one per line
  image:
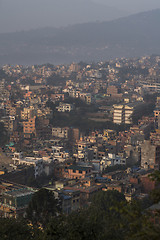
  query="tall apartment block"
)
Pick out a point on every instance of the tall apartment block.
point(122, 114)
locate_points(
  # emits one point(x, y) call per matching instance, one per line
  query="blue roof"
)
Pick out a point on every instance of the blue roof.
point(68, 190)
point(66, 197)
point(134, 168)
point(101, 178)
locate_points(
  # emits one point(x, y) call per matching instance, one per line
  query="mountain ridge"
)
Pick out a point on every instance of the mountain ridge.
point(131, 36)
point(22, 15)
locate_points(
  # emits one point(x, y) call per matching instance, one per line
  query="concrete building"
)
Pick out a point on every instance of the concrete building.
point(74, 67)
point(75, 134)
point(60, 132)
point(112, 90)
point(111, 160)
point(59, 154)
point(78, 172)
point(2, 85)
point(150, 155)
point(70, 200)
point(86, 97)
point(156, 112)
point(15, 202)
point(10, 110)
point(65, 107)
point(122, 114)
point(29, 126)
point(10, 123)
point(109, 134)
point(37, 163)
point(27, 113)
point(118, 114)
point(128, 110)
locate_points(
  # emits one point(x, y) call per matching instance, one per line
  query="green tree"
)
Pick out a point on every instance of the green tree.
point(42, 207)
point(14, 229)
point(155, 176)
point(3, 135)
point(56, 80)
point(155, 193)
point(143, 109)
point(108, 217)
point(104, 200)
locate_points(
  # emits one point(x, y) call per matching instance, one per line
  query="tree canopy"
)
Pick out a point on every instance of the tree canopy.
point(109, 216)
point(42, 207)
point(143, 109)
point(3, 135)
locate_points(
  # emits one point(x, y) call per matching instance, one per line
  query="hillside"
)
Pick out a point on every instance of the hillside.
point(20, 15)
point(131, 36)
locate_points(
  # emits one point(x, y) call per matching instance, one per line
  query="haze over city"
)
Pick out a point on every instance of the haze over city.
point(21, 15)
point(79, 119)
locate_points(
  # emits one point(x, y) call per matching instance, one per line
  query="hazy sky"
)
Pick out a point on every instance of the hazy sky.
point(132, 5)
point(16, 15)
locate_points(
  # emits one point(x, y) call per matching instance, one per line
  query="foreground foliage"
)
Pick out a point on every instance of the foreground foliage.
point(109, 216)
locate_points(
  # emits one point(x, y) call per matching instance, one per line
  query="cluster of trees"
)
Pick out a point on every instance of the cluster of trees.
point(109, 216)
point(7, 77)
point(56, 80)
point(144, 109)
point(79, 119)
point(125, 71)
point(3, 135)
point(115, 168)
point(42, 207)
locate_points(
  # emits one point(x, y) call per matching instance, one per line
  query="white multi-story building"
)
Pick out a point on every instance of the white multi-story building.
point(37, 163)
point(127, 114)
point(27, 113)
point(118, 114)
point(65, 107)
point(111, 160)
point(60, 132)
point(59, 154)
point(122, 114)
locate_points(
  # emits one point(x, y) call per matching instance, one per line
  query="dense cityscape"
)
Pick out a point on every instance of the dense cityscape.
point(80, 143)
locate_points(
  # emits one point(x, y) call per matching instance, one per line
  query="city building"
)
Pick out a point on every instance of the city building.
point(122, 114)
point(150, 155)
point(78, 172)
point(60, 132)
point(65, 107)
point(29, 126)
point(14, 202)
point(37, 163)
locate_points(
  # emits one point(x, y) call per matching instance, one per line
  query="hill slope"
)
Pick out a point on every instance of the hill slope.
point(31, 14)
point(126, 37)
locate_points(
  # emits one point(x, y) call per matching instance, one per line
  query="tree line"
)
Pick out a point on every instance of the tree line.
point(109, 216)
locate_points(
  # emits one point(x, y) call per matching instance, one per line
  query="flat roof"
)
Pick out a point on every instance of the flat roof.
point(19, 192)
point(77, 167)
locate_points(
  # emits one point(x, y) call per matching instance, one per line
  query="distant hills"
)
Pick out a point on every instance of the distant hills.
point(131, 36)
point(31, 14)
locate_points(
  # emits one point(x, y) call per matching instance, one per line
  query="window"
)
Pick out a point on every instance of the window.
point(80, 171)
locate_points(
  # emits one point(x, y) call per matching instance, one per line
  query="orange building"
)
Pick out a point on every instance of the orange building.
point(112, 90)
point(77, 172)
point(29, 126)
point(28, 94)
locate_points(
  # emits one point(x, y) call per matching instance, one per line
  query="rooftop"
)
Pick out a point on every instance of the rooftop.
point(81, 168)
point(19, 192)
